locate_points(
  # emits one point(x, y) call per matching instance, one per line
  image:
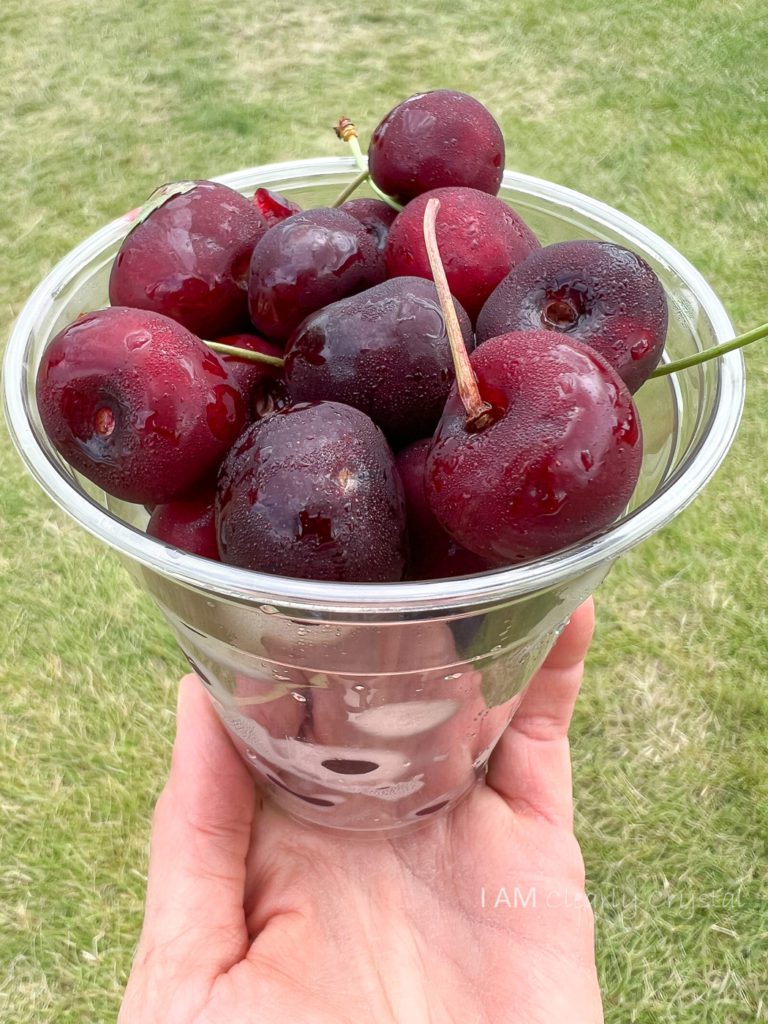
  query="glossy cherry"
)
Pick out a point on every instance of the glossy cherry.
point(188, 524)
point(189, 258)
point(481, 239)
point(435, 140)
point(137, 404)
point(306, 262)
point(273, 206)
point(557, 459)
point(312, 492)
point(595, 292)
point(375, 216)
point(263, 386)
point(433, 553)
point(384, 351)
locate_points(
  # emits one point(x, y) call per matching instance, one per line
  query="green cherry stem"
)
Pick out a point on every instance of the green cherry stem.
point(244, 353)
point(712, 353)
point(477, 410)
point(346, 131)
point(353, 186)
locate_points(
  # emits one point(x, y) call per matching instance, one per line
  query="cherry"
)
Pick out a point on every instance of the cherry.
point(306, 262)
point(481, 239)
point(384, 351)
point(539, 445)
point(273, 206)
point(312, 492)
point(137, 404)
point(435, 140)
point(595, 292)
point(559, 461)
point(262, 386)
point(188, 259)
point(188, 524)
point(375, 216)
point(434, 554)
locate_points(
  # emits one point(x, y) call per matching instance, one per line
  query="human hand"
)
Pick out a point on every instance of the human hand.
point(479, 917)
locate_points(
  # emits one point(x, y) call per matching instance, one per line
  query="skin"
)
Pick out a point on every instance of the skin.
point(253, 917)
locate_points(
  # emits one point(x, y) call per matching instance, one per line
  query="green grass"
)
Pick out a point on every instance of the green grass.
point(657, 108)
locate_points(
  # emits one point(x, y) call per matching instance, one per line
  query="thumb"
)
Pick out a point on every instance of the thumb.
point(531, 765)
point(201, 834)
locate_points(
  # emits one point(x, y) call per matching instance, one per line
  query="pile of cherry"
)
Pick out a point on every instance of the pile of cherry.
point(370, 426)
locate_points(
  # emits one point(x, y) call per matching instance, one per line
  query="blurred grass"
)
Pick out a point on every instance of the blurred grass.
point(660, 109)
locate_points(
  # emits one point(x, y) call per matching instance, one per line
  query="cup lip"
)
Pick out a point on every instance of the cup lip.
point(364, 599)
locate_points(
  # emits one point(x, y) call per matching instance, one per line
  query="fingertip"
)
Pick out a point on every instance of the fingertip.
point(186, 689)
point(201, 739)
point(192, 701)
point(572, 645)
point(585, 617)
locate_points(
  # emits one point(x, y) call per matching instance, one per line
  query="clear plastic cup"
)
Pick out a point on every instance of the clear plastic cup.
point(373, 708)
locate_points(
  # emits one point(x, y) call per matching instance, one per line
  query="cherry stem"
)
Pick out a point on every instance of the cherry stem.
point(711, 353)
point(245, 353)
point(346, 131)
point(466, 381)
point(353, 186)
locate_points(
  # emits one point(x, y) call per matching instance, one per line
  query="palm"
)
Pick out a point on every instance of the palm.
point(479, 917)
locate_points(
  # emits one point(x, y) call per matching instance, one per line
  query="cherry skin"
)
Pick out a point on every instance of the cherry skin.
point(557, 463)
point(188, 524)
point(306, 262)
point(376, 217)
point(137, 404)
point(189, 260)
point(433, 553)
point(273, 206)
point(384, 351)
point(595, 292)
point(435, 140)
point(262, 386)
point(480, 238)
point(312, 492)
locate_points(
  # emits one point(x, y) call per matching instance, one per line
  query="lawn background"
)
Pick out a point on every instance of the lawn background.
point(658, 108)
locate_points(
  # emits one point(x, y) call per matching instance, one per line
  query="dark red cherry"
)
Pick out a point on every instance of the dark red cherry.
point(269, 396)
point(188, 524)
point(384, 351)
point(434, 554)
point(137, 404)
point(557, 463)
point(189, 260)
point(273, 206)
point(262, 386)
point(375, 216)
point(306, 262)
point(595, 292)
point(480, 238)
point(312, 492)
point(435, 140)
